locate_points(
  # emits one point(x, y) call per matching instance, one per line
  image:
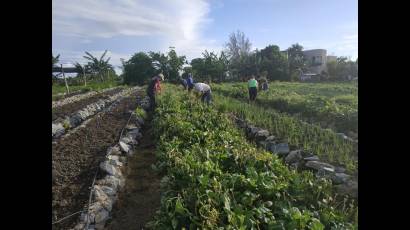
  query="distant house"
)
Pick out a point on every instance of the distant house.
point(317, 59)
point(331, 58)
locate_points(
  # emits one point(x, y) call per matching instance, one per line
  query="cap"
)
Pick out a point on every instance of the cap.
point(161, 76)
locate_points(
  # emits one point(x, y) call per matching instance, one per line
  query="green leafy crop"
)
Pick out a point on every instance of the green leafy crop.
point(215, 179)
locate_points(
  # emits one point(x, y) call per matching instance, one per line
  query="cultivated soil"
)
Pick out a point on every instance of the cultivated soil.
point(77, 157)
point(62, 96)
point(68, 109)
point(141, 196)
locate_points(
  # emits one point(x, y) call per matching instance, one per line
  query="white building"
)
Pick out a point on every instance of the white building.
point(317, 60)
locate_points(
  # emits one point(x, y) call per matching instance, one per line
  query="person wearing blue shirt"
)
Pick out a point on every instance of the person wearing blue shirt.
point(190, 82)
point(184, 83)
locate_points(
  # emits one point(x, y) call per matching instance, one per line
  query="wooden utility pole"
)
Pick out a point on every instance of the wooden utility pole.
point(65, 80)
point(85, 77)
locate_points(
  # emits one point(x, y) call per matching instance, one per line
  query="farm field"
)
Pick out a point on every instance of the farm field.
point(329, 105)
point(190, 166)
point(160, 120)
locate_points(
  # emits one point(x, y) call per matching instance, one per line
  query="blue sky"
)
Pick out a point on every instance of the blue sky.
point(125, 27)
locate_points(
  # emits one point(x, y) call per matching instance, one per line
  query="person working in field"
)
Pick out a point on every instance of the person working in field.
point(190, 82)
point(157, 86)
point(253, 88)
point(265, 85)
point(205, 91)
point(184, 83)
point(153, 88)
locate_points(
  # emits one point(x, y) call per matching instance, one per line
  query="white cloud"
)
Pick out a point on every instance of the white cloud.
point(178, 22)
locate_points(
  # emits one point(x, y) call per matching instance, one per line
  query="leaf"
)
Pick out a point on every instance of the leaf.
point(174, 223)
point(179, 208)
point(316, 225)
point(227, 205)
point(203, 180)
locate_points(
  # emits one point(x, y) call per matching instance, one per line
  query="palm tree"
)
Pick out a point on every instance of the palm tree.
point(98, 65)
point(81, 69)
point(55, 59)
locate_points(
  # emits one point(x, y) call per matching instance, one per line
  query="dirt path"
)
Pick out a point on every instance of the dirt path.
point(140, 198)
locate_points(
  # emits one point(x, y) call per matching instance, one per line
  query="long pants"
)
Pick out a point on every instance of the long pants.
point(151, 101)
point(265, 87)
point(253, 92)
point(190, 87)
point(206, 97)
point(184, 85)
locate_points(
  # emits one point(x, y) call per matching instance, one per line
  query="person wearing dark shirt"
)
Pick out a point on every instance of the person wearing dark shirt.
point(184, 83)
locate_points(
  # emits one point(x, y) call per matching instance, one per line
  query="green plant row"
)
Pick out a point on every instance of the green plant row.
point(329, 90)
point(322, 142)
point(338, 112)
point(214, 179)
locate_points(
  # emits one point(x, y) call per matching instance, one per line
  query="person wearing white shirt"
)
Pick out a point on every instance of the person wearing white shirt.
point(205, 90)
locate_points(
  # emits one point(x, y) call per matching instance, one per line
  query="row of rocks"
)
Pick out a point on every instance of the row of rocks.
point(75, 119)
point(78, 97)
point(105, 191)
point(301, 160)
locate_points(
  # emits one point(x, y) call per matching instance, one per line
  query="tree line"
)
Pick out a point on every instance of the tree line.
point(236, 62)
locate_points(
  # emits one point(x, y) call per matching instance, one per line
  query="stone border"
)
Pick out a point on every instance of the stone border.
point(75, 119)
point(298, 159)
point(105, 191)
point(78, 97)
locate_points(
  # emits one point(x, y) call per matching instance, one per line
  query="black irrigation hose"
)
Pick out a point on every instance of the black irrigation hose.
point(89, 200)
point(58, 221)
point(125, 126)
point(91, 188)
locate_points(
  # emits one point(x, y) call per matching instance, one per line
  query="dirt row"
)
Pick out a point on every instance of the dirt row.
point(141, 196)
point(61, 96)
point(76, 158)
point(65, 110)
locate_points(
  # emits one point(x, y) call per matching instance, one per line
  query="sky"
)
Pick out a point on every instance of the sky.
point(125, 27)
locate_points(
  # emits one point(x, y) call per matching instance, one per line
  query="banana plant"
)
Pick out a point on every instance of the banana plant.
point(98, 66)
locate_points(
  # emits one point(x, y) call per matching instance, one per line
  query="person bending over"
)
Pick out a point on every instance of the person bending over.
point(205, 91)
